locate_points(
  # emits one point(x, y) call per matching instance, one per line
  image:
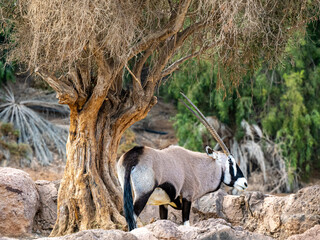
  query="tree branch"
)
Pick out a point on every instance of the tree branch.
point(174, 25)
point(182, 36)
point(105, 78)
point(65, 93)
point(137, 81)
point(174, 66)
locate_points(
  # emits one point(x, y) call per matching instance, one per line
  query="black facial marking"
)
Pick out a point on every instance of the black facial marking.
point(233, 177)
point(169, 189)
point(131, 158)
point(239, 173)
point(231, 173)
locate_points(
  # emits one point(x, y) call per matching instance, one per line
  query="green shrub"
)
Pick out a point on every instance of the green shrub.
point(284, 101)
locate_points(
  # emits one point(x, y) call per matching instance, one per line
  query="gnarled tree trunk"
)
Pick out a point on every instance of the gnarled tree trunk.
point(89, 194)
point(102, 108)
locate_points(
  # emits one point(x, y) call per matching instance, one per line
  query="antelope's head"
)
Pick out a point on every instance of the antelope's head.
point(232, 174)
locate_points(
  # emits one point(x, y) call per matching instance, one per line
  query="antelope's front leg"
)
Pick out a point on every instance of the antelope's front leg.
point(186, 206)
point(163, 211)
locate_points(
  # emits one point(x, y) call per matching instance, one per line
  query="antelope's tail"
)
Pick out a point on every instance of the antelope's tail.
point(128, 202)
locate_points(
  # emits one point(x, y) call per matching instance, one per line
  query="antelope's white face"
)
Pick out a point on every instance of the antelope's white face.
point(232, 174)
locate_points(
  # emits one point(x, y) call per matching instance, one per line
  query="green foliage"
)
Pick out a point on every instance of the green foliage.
point(21, 150)
point(7, 129)
point(283, 100)
point(6, 70)
point(8, 140)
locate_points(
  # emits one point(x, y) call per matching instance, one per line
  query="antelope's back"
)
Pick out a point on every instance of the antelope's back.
point(186, 170)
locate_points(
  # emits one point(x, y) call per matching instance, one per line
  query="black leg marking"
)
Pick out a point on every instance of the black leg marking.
point(141, 203)
point(186, 206)
point(163, 211)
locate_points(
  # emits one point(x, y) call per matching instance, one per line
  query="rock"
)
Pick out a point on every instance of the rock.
point(209, 206)
point(47, 214)
point(311, 234)
point(19, 201)
point(220, 229)
point(164, 229)
point(276, 216)
point(208, 229)
point(168, 230)
point(150, 214)
point(96, 234)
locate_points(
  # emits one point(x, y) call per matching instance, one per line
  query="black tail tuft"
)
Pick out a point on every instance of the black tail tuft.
point(128, 202)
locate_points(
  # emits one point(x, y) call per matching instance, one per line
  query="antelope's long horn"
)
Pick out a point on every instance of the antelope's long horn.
point(204, 121)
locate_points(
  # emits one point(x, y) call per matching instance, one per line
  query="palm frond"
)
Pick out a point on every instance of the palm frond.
point(34, 129)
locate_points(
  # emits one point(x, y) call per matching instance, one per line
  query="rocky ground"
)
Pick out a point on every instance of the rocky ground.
point(28, 210)
point(28, 201)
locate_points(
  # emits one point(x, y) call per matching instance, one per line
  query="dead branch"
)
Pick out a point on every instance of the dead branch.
point(65, 92)
point(137, 69)
point(137, 81)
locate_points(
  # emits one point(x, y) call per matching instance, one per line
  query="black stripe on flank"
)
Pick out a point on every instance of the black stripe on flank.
point(169, 189)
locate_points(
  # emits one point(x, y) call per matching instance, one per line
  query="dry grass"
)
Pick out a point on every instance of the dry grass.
point(57, 34)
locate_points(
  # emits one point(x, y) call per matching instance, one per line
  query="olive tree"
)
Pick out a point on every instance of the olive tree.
point(84, 49)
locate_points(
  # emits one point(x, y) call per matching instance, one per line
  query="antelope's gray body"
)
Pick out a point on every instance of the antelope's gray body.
point(174, 176)
point(192, 174)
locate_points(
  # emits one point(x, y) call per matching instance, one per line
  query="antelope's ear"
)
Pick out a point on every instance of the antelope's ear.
point(211, 153)
point(209, 150)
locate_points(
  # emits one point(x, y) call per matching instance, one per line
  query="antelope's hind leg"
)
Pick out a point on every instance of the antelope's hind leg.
point(140, 203)
point(143, 184)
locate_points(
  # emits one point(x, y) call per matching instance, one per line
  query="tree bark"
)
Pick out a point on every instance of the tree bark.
point(89, 195)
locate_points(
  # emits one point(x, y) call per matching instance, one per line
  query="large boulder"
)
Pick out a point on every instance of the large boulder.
point(209, 206)
point(311, 234)
point(95, 234)
point(19, 201)
point(47, 214)
point(276, 216)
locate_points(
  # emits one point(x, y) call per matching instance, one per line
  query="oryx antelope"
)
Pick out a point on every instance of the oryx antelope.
point(174, 176)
